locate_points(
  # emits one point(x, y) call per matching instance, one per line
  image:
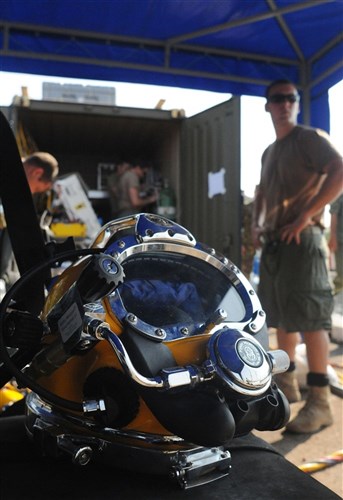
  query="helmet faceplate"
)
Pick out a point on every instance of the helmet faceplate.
point(175, 286)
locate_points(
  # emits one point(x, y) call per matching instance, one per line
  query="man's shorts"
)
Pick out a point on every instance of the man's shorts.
point(294, 287)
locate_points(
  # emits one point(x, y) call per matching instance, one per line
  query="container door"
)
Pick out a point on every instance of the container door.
point(209, 182)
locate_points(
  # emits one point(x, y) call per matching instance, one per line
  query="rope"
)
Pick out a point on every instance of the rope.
point(323, 463)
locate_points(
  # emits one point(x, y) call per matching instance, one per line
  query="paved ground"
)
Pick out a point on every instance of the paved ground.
point(304, 448)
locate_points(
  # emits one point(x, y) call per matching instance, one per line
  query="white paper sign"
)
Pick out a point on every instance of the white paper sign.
point(216, 183)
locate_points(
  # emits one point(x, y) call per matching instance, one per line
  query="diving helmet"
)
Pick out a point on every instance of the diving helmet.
point(153, 356)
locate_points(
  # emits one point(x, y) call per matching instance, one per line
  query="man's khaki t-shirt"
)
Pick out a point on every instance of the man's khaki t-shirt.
point(292, 173)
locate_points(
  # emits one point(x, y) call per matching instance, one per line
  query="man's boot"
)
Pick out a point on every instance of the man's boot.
point(316, 413)
point(288, 384)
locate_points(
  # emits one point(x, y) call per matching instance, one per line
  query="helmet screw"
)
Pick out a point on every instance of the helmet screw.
point(110, 266)
point(253, 327)
point(132, 318)
point(159, 332)
point(84, 344)
point(83, 455)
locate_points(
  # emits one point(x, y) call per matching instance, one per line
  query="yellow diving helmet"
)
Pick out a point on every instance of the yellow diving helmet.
point(152, 355)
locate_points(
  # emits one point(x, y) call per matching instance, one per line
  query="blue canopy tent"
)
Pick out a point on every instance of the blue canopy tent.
point(231, 46)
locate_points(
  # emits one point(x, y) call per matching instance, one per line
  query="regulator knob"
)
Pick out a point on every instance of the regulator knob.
point(102, 275)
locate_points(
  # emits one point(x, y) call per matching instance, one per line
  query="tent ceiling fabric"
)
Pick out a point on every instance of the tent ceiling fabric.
point(232, 46)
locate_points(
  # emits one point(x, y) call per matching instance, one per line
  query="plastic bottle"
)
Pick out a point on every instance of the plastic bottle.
point(167, 202)
point(255, 273)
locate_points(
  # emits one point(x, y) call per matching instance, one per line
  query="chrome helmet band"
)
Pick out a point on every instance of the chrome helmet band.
point(175, 286)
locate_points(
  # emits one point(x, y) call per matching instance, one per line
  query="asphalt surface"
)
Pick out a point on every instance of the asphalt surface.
point(309, 448)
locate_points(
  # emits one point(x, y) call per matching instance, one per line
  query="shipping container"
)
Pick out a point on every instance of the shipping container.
point(199, 156)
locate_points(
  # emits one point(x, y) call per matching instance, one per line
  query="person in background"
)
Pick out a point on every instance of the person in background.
point(129, 188)
point(301, 173)
point(112, 183)
point(336, 240)
point(40, 169)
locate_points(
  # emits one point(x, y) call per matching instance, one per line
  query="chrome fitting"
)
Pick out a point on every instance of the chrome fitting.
point(279, 360)
point(92, 405)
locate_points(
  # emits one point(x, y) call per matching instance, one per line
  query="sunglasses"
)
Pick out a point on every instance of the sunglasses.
point(278, 98)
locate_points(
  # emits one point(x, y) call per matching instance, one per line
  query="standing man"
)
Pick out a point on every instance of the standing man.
point(112, 183)
point(301, 173)
point(128, 190)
